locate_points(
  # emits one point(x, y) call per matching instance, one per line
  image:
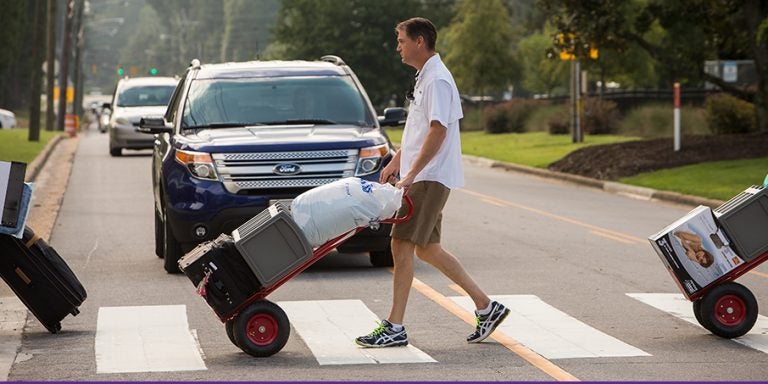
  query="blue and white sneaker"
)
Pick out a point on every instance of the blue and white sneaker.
point(383, 336)
point(487, 323)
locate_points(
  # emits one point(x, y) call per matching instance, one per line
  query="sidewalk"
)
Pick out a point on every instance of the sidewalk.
point(50, 174)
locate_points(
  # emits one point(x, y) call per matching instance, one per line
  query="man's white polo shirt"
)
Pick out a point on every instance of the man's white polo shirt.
point(435, 98)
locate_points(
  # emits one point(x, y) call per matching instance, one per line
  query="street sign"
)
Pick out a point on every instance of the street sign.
point(730, 71)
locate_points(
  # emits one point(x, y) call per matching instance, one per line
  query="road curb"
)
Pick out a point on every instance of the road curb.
point(33, 169)
point(608, 186)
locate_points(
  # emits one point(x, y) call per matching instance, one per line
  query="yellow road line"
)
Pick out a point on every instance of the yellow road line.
point(614, 238)
point(513, 345)
point(502, 202)
point(759, 274)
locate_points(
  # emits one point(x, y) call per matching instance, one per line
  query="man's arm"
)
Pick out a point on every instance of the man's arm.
point(432, 143)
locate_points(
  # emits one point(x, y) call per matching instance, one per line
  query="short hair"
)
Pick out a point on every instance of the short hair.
point(419, 26)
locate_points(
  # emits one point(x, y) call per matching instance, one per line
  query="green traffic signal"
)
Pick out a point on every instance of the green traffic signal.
point(120, 71)
point(153, 71)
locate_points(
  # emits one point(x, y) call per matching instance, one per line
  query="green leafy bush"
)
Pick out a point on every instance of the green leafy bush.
point(508, 117)
point(728, 114)
point(600, 117)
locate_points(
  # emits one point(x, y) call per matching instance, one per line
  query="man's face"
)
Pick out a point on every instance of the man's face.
point(406, 47)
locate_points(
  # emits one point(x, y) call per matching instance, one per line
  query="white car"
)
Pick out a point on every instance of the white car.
point(7, 119)
point(135, 98)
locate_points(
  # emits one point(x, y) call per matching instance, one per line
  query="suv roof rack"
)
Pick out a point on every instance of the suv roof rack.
point(333, 59)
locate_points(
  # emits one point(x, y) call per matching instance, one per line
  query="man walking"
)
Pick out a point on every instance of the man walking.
point(429, 163)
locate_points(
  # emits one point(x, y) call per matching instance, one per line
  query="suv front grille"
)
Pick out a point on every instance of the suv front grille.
point(249, 171)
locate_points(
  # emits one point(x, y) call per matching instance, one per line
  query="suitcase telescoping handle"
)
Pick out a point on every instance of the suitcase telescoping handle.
point(407, 216)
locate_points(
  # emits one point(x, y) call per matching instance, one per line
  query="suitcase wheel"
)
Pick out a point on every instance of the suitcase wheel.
point(261, 329)
point(728, 310)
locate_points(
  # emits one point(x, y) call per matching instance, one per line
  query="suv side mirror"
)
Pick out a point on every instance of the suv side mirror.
point(154, 125)
point(393, 117)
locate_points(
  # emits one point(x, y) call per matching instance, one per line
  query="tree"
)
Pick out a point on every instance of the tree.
point(693, 31)
point(479, 44)
point(361, 32)
point(540, 74)
point(15, 41)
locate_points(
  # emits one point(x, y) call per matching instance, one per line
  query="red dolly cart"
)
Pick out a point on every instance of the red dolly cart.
point(254, 324)
point(733, 239)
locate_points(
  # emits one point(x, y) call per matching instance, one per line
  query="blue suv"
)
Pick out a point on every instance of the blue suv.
point(237, 137)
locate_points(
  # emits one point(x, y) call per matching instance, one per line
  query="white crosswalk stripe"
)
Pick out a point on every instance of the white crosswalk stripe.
point(329, 328)
point(145, 339)
point(677, 305)
point(551, 332)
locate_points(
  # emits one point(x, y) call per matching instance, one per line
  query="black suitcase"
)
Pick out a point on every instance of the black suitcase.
point(40, 278)
point(220, 273)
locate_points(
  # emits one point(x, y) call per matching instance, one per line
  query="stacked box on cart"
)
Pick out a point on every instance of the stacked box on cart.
point(272, 244)
point(695, 250)
point(220, 274)
point(745, 219)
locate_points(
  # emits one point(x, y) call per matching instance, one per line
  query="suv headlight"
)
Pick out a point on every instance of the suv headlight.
point(369, 160)
point(199, 164)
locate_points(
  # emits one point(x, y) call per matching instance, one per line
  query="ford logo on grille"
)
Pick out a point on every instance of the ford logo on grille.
point(287, 169)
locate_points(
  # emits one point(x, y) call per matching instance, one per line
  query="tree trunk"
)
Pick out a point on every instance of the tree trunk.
point(38, 38)
point(50, 64)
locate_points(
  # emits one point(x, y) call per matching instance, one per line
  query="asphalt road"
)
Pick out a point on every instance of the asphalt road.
point(565, 256)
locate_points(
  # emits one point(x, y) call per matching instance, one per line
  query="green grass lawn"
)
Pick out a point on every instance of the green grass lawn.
point(535, 149)
point(717, 180)
point(14, 145)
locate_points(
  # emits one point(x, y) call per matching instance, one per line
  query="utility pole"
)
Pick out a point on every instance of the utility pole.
point(50, 65)
point(38, 39)
point(78, 82)
point(64, 65)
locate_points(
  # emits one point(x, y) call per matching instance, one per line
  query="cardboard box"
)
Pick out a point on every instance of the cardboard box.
point(695, 250)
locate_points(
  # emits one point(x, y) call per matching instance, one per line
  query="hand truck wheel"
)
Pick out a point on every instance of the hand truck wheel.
point(728, 310)
point(229, 326)
point(697, 313)
point(261, 329)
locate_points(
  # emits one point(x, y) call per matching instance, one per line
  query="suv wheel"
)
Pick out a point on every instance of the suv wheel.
point(159, 236)
point(171, 249)
point(382, 258)
point(115, 151)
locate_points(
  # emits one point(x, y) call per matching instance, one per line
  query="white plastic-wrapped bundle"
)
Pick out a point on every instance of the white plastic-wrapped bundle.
point(328, 211)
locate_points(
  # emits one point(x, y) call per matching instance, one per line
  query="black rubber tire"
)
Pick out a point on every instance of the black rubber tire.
point(729, 310)
point(159, 239)
point(382, 258)
point(115, 152)
point(697, 312)
point(171, 249)
point(229, 326)
point(261, 329)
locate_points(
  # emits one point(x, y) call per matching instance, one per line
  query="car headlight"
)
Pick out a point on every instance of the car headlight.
point(369, 160)
point(199, 164)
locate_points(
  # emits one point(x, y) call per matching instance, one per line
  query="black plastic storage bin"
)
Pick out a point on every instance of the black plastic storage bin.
point(272, 244)
point(744, 219)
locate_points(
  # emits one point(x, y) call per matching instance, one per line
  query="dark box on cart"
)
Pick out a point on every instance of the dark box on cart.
point(272, 244)
point(220, 274)
point(745, 218)
point(695, 250)
point(11, 189)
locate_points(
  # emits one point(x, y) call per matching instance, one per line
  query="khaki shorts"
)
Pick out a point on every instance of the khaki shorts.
point(423, 228)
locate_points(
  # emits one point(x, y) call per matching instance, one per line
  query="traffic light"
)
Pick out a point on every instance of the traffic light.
point(153, 71)
point(120, 71)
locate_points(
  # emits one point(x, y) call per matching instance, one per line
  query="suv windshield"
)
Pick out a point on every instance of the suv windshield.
point(145, 96)
point(222, 103)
